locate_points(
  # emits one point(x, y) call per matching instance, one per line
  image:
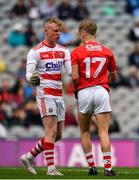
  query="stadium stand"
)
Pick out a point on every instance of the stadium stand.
point(113, 28)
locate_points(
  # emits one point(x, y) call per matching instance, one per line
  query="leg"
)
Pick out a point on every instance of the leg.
point(84, 123)
point(50, 125)
point(103, 120)
point(38, 148)
point(60, 127)
point(46, 143)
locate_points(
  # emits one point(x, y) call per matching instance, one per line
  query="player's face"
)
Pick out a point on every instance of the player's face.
point(52, 32)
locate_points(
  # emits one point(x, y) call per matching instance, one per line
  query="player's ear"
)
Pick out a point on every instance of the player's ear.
point(83, 35)
point(45, 30)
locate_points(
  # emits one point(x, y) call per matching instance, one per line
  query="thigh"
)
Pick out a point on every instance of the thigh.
point(84, 121)
point(101, 101)
point(103, 120)
point(47, 106)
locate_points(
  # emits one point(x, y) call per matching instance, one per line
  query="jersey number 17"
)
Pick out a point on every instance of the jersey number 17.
point(89, 60)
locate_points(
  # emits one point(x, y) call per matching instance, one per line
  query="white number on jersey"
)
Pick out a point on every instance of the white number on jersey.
point(87, 61)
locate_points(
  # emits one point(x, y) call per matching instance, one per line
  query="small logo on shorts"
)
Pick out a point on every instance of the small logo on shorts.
point(50, 110)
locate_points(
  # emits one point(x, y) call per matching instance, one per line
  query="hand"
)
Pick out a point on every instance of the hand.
point(76, 94)
point(34, 79)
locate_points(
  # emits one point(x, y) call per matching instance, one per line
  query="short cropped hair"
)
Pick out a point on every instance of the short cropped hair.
point(88, 25)
point(56, 21)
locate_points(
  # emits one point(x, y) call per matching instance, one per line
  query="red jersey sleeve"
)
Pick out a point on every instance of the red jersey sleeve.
point(74, 58)
point(112, 63)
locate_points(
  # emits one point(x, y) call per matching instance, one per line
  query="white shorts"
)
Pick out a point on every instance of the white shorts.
point(94, 100)
point(51, 106)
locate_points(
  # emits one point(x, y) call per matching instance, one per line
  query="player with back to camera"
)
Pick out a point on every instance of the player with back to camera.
point(91, 64)
point(44, 70)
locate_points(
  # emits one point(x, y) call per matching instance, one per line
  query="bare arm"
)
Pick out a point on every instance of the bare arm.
point(75, 76)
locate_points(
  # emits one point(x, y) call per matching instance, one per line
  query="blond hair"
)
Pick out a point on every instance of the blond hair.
point(56, 21)
point(88, 25)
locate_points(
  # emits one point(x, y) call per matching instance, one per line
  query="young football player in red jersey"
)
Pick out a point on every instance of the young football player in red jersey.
point(93, 68)
point(44, 70)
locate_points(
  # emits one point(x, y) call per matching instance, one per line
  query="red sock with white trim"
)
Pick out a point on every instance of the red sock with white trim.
point(90, 159)
point(107, 160)
point(37, 149)
point(49, 155)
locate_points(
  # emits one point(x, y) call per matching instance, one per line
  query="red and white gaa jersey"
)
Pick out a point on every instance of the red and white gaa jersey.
point(49, 62)
point(94, 62)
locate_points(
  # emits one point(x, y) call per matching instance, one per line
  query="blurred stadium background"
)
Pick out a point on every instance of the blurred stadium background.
point(20, 123)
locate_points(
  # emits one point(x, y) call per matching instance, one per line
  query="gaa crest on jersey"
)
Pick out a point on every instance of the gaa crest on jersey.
point(61, 54)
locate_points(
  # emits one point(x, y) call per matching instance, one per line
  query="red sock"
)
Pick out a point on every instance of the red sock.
point(49, 154)
point(90, 159)
point(38, 148)
point(107, 160)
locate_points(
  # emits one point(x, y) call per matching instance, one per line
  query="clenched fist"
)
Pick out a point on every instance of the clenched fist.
point(34, 79)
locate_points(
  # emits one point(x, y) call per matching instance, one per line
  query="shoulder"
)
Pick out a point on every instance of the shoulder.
point(38, 46)
point(32, 53)
point(107, 50)
point(77, 50)
point(75, 53)
point(62, 47)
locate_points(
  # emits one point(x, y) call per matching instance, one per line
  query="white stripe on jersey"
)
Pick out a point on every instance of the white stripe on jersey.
point(51, 84)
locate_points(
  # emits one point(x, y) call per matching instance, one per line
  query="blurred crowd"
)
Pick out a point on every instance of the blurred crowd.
point(19, 115)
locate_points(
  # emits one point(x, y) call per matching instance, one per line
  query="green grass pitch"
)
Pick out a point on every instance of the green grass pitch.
point(69, 173)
